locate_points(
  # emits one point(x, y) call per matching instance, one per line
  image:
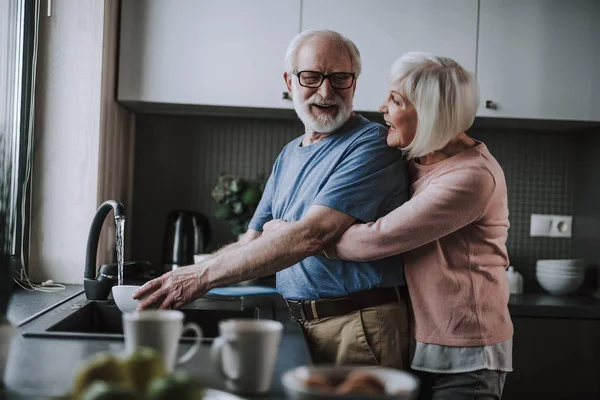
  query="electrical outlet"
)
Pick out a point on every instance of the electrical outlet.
point(551, 225)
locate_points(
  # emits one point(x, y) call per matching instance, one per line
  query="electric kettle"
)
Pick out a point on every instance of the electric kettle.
point(186, 233)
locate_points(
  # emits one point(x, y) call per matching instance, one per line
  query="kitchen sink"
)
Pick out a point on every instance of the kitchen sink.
point(103, 320)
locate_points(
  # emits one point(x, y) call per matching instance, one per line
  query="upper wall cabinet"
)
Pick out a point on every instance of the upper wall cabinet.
point(539, 59)
point(386, 29)
point(214, 52)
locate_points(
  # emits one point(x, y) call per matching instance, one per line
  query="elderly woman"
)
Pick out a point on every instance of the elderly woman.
point(452, 232)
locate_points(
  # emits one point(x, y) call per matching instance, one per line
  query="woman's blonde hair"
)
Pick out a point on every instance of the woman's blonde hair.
point(444, 94)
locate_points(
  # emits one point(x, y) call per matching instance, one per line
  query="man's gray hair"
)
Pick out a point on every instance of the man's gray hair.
point(308, 35)
point(444, 94)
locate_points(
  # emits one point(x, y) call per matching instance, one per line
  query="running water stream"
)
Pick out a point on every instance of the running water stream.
point(120, 233)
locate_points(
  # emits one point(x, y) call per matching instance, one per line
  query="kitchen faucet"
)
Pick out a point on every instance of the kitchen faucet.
point(98, 289)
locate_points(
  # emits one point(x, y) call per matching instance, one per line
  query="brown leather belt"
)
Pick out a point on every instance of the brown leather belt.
point(308, 310)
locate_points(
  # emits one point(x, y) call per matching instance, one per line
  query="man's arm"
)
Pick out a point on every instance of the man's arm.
point(265, 255)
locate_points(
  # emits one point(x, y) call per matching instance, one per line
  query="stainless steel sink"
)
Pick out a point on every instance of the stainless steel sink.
point(102, 320)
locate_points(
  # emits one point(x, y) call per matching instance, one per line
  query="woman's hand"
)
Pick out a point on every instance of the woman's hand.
point(274, 224)
point(173, 289)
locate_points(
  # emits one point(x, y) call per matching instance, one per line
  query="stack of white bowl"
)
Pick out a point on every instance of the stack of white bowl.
point(560, 277)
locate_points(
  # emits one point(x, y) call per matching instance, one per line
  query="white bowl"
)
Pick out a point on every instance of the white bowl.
point(399, 385)
point(571, 268)
point(559, 268)
point(577, 262)
point(558, 265)
point(559, 285)
point(560, 272)
point(122, 296)
point(560, 277)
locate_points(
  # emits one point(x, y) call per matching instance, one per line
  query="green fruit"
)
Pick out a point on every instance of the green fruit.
point(251, 196)
point(179, 386)
point(143, 366)
point(105, 391)
point(101, 367)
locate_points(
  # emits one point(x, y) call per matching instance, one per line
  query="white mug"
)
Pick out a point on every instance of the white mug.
point(245, 353)
point(160, 330)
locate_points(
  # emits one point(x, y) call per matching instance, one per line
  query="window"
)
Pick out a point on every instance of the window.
point(18, 37)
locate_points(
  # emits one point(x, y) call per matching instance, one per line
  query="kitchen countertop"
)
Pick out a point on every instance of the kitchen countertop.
point(42, 367)
point(25, 304)
point(548, 306)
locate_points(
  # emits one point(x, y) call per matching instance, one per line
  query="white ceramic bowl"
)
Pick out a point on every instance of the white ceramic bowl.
point(122, 296)
point(556, 265)
point(561, 276)
point(577, 262)
point(560, 268)
point(559, 285)
point(571, 270)
point(558, 278)
point(559, 265)
point(399, 385)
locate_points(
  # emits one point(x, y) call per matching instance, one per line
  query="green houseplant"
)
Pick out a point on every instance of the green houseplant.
point(237, 199)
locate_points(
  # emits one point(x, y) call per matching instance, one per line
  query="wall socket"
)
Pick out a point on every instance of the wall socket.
point(551, 225)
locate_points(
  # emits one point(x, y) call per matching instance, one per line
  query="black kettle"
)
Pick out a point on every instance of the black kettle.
point(187, 233)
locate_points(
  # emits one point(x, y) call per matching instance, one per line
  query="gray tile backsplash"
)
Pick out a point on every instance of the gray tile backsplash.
point(540, 171)
point(179, 158)
point(242, 147)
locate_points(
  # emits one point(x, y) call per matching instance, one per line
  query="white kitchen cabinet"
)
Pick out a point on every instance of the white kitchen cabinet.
point(539, 59)
point(383, 30)
point(209, 52)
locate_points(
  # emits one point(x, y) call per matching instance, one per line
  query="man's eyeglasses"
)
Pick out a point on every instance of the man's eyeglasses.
point(314, 79)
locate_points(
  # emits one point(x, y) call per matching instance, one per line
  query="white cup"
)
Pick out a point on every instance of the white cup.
point(245, 354)
point(160, 330)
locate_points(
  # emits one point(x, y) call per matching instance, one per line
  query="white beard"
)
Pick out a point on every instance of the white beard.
point(323, 123)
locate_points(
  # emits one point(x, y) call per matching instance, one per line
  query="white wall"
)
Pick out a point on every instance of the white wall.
point(67, 131)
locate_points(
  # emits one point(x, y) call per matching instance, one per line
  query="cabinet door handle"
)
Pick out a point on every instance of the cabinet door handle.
point(491, 104)
point(286, 96)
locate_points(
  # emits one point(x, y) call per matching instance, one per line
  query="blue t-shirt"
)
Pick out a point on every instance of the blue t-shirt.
point(353, 171)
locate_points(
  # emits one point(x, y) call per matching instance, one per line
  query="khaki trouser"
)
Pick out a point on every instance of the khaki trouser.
point(371, 336)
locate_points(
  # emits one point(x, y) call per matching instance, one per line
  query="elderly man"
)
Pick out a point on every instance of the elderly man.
point(338, 173)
